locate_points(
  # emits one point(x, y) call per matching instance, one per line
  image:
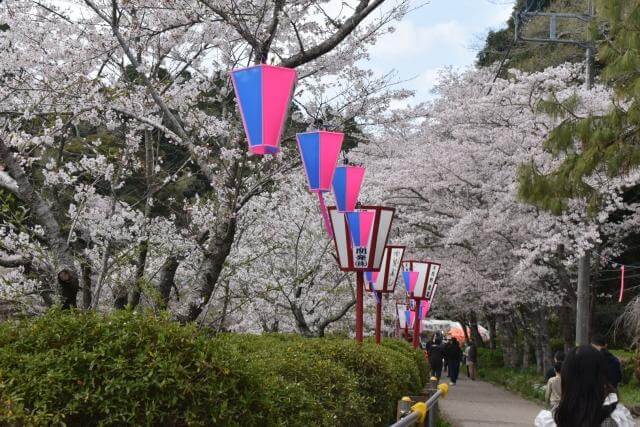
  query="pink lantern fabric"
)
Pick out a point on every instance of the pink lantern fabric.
point(412, 316)
point(371, 276)
point(347, 182)
point(410, 280)
point(403, 315)
point(426, 307)
point(361, 227)
point(319, 151)
point(264, 95)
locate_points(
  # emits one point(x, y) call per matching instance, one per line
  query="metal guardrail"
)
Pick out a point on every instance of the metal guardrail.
point(422, 411)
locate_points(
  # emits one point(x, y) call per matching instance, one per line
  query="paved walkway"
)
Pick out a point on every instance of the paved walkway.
point(480, 404)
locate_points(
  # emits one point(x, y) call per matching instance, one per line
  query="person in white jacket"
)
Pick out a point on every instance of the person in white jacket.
point(587, 399)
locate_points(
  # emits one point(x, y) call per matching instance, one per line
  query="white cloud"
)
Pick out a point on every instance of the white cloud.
point(411, 39)
point(503, 13)
point(429, 78)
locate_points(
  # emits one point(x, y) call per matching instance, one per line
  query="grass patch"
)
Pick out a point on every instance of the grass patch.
point(529, 384)
point(526, 383)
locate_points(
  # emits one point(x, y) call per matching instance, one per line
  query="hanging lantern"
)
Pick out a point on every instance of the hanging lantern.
point(427, 275)
point(347, 182)
point(361, 228)
point(385, 279)
point(264, 93)
point(410, 280)
point(319, 151)
point(403, 315)
point(360, 237)
point(371, 278)
point(412, 315)
point(426, 306)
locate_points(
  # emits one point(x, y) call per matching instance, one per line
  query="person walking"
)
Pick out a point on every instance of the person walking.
point(558, 357)
point(472, 360)
point(586, 399)
point(614, 368)
point(436, 354)
point(553, 390)
point(453, 355)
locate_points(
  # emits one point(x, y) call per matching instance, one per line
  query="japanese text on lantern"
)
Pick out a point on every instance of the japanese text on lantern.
point(361, 257)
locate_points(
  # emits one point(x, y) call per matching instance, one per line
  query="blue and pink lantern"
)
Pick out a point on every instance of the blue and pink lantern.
point(361, 230)
point(410, 280)
point(384, 281)
point(426, 279)
point(361, 236)
point(420, 278)
point(319, 151)
point(420, 312)
point(347, 182)
point(264, 94)
point(404, 315)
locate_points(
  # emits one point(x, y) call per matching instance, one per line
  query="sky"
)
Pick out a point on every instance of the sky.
point(440, 34)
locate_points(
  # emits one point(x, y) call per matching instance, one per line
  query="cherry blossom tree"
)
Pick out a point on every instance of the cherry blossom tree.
point(454, 179)
point(120, 139)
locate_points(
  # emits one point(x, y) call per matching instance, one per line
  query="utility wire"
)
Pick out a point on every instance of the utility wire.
point(516, 15)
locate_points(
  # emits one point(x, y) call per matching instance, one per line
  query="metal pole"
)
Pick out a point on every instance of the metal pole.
point(582, 305)
point(359, 304)
point(416, 326)
point(584, 262)
point(378, 316)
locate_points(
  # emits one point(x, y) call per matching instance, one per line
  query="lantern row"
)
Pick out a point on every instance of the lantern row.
point(264, 94)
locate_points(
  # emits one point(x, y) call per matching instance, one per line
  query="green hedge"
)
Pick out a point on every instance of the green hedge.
point(137, 369)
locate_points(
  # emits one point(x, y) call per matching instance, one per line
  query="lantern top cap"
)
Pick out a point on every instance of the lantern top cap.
point(321, 131)
point(421, 261)
point(265, 66)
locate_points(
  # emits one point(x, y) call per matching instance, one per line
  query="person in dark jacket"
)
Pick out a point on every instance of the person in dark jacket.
point(453, 354)
point(558, 357)
point(436, 354)
point(614, 368)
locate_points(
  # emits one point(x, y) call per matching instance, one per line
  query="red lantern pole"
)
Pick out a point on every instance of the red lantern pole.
point(325, 214)
point(378, 316)
point(359, 304)
point(416, 326)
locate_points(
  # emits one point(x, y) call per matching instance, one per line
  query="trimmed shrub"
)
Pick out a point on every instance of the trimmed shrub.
point(78, 368)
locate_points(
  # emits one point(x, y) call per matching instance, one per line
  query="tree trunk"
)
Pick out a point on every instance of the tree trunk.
point(491, 320)
point(135, 289)
point(217, 251)
point(539, 355)
point(120, 295)
point(86, 286)
point(595, 272)
point(301, 322)
point(526, 353)
point(565, 315)
point(67, 275)
point(166, 281)
point(465, 329)
point(509, 351)
point(225, 308)
point(545, 342)
point(322, 326)
point(475, 332)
